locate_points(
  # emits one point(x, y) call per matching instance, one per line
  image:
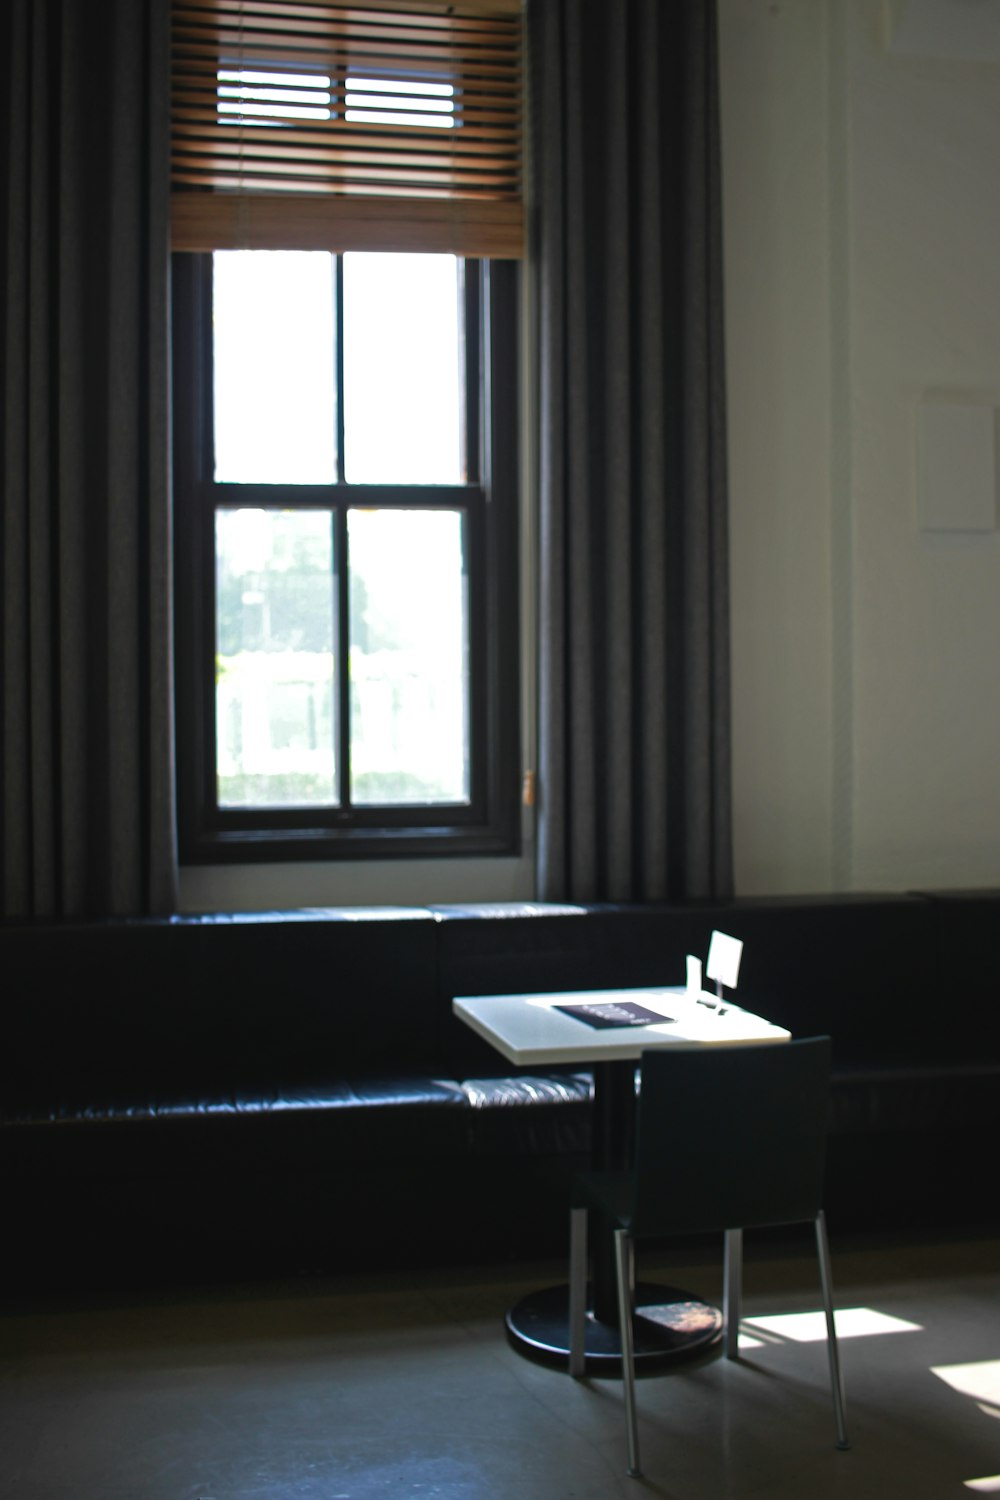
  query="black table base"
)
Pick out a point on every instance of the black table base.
point(670, 1325)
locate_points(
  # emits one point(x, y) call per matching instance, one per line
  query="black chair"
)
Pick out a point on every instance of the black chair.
point(727, 1138)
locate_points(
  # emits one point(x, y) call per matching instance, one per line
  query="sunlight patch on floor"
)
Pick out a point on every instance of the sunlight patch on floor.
point(980, 1380)
point(810, 1327)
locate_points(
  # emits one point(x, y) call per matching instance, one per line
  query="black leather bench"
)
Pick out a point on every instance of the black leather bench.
point(292, 1089)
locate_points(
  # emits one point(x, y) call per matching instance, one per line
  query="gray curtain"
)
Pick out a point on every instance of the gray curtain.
point(625, 239)
point(87, 774)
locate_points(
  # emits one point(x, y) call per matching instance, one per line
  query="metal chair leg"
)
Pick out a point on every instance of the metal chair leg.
point(826, 1281)
point(624, 1268)
point(732, 1291)
point(577, 1291)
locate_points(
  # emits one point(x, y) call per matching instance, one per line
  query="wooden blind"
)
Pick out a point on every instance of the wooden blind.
point(379, 126)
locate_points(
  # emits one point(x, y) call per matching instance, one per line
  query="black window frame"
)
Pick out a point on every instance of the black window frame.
point(489, 824)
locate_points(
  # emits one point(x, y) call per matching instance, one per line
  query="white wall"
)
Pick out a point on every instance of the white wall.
point(778, 330)
point(861, 144)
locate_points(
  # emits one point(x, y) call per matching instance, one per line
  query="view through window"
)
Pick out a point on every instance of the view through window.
point(275, 335)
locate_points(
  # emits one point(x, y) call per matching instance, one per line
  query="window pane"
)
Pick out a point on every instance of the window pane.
point(274, 663)
point(402, 369)
point(275, 404)
point(409, 657)
point(272, 99)
point(399, 101)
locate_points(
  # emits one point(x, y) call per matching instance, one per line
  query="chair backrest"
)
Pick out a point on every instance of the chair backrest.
point(731, 1137)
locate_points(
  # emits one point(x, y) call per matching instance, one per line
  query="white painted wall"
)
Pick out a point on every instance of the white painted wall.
point(773, 67)
point(862, 277)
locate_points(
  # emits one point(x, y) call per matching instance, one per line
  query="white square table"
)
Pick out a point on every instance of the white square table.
point(532, 1030)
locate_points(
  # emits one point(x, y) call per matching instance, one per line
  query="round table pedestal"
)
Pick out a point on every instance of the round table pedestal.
point(670, 1325)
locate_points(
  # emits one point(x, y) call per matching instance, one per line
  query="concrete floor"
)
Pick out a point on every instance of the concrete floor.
point(357, 1388)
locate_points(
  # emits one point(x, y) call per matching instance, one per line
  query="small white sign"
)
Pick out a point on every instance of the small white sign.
point(724, 954)
point(693, 976)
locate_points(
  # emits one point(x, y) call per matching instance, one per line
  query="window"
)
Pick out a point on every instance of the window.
point(346, 219)
point(345, 477)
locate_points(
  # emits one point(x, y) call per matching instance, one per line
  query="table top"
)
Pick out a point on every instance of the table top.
point(530, 1029)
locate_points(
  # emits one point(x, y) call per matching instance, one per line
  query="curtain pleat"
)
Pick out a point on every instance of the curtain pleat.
point(625, 244)
point(88, 809)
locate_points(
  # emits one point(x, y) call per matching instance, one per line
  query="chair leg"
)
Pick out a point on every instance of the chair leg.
point(732, 1291)
point(577, 1290)
point(624, 1253)
point(826, 1280)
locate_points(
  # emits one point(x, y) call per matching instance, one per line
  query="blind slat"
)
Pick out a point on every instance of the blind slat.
point(355, 112)
point(296, 221)
point(192, 136)
point(455, 30)
point(464, 62)
point(429, 12)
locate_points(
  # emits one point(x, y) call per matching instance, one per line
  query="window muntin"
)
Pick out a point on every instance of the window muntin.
point(274, 348)
point(402, 355)
point(409, 656)
point(275, 660)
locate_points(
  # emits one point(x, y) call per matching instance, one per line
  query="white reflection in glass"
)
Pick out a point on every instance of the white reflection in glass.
point(274, 662)
point(275, 411)
point(408, 657)
point(402, 369)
